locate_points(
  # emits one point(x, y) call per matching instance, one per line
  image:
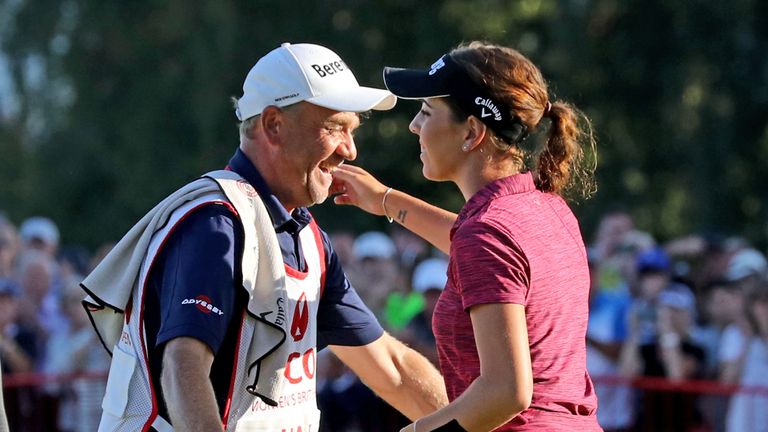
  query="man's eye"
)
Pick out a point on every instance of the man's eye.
point(422, 112)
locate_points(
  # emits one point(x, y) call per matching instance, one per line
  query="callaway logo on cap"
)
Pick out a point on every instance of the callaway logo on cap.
point(447, 78)
point(311, 73)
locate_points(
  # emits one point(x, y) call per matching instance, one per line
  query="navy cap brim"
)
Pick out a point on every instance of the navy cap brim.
point(414, 83)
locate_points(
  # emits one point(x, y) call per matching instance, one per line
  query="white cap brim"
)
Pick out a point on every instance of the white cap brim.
point(358, 99)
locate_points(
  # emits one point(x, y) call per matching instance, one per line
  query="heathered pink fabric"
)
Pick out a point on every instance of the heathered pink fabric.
point(514, 244)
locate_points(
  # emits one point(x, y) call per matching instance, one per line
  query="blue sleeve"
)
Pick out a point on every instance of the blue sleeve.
point(196, 280)
point(343, 318)
point(621, 328)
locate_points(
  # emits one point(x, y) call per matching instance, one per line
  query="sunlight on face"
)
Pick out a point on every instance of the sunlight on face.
point(440, 140)
point(317, 140)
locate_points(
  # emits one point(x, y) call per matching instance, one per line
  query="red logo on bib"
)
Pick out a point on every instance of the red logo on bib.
point(247, 188)
point(300, 318)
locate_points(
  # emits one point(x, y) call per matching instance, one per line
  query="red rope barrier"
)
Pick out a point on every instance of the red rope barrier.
point(686, 386)
point(32, 379)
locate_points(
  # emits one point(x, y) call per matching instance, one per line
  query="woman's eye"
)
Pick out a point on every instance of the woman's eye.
point(422, 112)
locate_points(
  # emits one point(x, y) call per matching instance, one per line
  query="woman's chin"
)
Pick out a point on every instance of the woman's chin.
point(428, 174)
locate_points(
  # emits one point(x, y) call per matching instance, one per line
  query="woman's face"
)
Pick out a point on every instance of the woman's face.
point(440, 140)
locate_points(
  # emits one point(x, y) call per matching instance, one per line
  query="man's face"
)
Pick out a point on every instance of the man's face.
point(724, 305)
point(652, 283)
point(316, 141)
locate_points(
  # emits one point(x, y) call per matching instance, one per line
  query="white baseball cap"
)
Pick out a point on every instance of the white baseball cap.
point(374, 244)
point(40, 228)
point(431, 273)
point(746, 262)
point(311, 73)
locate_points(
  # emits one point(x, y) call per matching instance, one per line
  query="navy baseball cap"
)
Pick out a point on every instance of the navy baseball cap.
point(447, 78)
point(653, 260)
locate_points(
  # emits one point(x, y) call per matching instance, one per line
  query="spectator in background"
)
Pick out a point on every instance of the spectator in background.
point(654, 275)
point(9, 247)
point(618, 269)
point(747, 268)
point(749, 412)
point(18, 353)
point(606, 333)
point(39, 304)
point(18, 348)
point(727, 310)
point(41, 234)
point(375, 273)
point(76, 349)
point(706, 255)
point(611, 232)
point(728, 325)
point(671, 353)
point(429, 279)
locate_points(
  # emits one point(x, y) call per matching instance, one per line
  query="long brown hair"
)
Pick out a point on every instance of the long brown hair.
point(566, 161)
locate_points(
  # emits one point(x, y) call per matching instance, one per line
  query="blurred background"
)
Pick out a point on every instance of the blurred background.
point(106, 107)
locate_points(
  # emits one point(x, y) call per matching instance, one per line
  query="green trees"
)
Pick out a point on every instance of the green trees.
point(107, 106)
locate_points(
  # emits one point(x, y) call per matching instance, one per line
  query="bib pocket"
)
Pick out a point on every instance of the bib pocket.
point(118, 383)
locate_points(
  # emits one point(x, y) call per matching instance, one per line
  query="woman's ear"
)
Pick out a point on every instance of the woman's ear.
point(474, 135)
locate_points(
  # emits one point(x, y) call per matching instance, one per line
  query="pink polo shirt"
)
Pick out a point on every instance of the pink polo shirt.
point(514, 244)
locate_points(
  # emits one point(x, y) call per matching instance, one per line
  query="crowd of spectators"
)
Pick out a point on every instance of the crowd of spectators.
point(45, 330)
point(693, 308)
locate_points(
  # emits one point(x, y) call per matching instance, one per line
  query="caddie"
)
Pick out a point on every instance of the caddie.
point(215, 304)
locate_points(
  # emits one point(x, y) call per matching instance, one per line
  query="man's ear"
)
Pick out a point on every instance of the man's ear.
point(272, 122)
point(475, 133)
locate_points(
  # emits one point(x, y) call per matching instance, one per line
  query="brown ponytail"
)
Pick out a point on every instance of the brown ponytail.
point(563, 166)
point(566, 161)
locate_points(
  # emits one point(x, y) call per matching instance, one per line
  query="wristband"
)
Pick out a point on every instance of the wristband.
point(386, 214)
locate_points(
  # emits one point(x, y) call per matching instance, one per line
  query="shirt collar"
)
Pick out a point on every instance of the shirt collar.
point(514, 184)
point(281, 219)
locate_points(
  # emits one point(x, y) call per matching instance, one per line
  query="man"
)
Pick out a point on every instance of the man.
point(40, 233)
point(225, 291)
point(18, 354)
point(9, 247)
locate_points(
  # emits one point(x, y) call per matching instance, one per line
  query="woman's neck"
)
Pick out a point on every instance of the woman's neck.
point(479, 172)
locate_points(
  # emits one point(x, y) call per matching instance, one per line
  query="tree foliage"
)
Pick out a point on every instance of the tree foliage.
point(107, 106)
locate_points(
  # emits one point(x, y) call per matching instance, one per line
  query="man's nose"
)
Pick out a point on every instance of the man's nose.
point(347, 149)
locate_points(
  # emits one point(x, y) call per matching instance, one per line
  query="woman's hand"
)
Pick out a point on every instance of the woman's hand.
point(357, 187)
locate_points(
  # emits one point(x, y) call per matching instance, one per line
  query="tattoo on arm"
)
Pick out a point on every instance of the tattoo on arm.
point(401, 215)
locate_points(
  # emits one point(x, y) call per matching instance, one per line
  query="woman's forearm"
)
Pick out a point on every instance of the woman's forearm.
point(431, 223)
